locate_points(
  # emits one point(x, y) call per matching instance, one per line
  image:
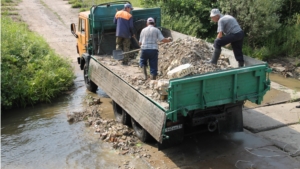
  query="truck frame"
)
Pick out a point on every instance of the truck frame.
point(199, 100)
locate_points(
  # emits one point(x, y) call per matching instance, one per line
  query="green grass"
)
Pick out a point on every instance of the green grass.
point(9, 13)
point(31, 72)
point(8, 7)
point(87, 4)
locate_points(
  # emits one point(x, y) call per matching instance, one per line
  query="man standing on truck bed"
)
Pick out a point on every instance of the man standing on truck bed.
point(233, 34)
point(149, 47)
point(124, 29)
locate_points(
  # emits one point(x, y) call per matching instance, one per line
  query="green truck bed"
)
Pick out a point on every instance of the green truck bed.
point(188, 94)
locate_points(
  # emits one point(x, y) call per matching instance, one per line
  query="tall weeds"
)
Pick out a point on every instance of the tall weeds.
point(30, 70)
point(285, 41)
point(87, 4)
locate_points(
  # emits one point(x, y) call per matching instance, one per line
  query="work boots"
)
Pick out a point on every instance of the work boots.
point(215, 56)
point(241, 63)
point(144, 70)
point(153, 77)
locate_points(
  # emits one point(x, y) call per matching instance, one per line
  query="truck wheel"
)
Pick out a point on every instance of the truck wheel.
point(90, 85)
point(120, 114)
point(140, 132)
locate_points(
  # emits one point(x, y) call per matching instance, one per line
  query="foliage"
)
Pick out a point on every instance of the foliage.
point(30, 71)
point(180, 23)
point(288, 9)
point(188, 17)
point(77, 5)
point(87, 4)
point(6, 1)
point(284, 42)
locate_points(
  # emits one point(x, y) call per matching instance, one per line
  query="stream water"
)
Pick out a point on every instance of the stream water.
point(291, 83)
point(41, 137)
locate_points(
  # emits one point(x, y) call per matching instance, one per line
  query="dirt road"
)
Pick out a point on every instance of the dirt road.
point(52, 18)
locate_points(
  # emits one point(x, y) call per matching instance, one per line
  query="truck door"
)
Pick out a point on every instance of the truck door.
point(82, 36)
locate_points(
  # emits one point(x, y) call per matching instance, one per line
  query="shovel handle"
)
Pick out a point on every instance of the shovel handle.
point(136, 50)
point(136, 40)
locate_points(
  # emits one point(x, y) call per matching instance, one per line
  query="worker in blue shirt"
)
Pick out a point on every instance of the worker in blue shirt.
point(124, 30)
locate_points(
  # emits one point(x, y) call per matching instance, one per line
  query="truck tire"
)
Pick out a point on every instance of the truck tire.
point(120, 114)
point(90, 85)
point(140, 132)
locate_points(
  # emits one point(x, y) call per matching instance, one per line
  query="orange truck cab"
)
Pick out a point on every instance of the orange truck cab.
point(96, 30)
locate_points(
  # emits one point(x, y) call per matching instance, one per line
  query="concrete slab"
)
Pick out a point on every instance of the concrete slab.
point(277, 94)
point(295, 95)
point(287, 138)
point(291, 83)
point(272, 97)
point(271, 117)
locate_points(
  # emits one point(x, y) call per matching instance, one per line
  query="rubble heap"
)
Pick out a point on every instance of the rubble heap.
point(189, 50)
point(121, 137)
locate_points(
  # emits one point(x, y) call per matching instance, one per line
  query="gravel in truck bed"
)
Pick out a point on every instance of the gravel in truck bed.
point(191, 51)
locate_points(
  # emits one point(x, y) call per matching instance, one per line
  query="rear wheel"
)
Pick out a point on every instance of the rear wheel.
point(90, 85)
point(140, 132)
point(120, 114)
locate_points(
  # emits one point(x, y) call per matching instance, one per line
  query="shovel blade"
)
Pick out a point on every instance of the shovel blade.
point(118, 54)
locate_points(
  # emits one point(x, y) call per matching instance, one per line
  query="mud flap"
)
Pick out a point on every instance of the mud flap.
point(173, 136)
point(233, 119)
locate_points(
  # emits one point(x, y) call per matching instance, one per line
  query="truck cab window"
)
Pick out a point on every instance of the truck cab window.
point(81, 26)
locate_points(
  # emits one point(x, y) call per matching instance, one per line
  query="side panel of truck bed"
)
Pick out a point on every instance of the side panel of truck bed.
point(218, 88)
point(145, 112)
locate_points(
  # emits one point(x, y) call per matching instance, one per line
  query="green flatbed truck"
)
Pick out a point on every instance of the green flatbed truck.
point(213, 99)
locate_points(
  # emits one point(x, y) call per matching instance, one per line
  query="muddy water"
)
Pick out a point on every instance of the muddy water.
point(41, 137)
point(291, 83)
point(275, 96)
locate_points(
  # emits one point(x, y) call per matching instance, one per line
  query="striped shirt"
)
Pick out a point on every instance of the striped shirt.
point(149, 37)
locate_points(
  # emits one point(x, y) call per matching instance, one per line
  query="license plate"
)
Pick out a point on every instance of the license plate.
point(172, 128)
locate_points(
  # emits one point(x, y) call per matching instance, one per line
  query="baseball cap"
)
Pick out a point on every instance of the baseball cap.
point(150, 20)
point(214, 12)
point(128, 6)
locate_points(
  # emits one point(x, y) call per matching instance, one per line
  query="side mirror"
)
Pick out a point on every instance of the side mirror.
point(73, 30)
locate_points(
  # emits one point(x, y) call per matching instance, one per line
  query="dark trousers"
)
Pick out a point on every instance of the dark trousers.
point(236, 41)
point(150, 55)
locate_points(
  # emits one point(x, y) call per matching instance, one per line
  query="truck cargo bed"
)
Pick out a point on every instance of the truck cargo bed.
point(220, 92)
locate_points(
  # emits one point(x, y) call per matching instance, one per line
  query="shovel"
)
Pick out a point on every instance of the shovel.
point(119, 54)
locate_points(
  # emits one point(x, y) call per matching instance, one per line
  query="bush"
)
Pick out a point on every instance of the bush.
point(285, 41)
point(77, 5)
point(188, 17)
point(30, 71)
